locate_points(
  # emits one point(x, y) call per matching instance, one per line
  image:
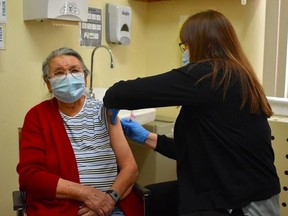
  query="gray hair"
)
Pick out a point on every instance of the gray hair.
point(59, 52)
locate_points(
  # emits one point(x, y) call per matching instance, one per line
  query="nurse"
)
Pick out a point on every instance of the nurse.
point(222, 139)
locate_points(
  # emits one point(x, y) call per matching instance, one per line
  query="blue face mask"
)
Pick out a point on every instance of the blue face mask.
point(185, 57)
point(68, 88)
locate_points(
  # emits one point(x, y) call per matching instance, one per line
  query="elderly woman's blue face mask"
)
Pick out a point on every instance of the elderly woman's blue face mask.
point(68, 87)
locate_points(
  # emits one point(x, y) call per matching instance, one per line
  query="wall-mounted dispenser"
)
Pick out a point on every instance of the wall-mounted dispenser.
point(118, 24)
point(71, 10)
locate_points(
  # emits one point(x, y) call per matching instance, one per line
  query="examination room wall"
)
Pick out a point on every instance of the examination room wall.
point(26, 46)
point(153, 49)
point(163, 24)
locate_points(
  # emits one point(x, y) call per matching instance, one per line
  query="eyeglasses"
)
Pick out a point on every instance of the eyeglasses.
point(61, 75)
point(182, 47)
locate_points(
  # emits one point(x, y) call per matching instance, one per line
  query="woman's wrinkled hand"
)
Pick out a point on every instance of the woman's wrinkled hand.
point(96, 203)
point(84, 211)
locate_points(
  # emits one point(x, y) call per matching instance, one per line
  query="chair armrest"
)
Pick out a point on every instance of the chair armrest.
point(18, 200)
point(141, 191)
point(144, 194)
point(136, 202)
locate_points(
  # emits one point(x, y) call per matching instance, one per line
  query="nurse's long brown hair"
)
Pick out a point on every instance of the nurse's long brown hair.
point(210, 36)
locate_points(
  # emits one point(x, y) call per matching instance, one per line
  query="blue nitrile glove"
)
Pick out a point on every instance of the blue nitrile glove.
point(134, 131)
point(114, 115)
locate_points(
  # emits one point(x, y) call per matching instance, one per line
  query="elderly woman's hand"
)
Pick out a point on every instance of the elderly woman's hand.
point(96, 201)
point(85, 211)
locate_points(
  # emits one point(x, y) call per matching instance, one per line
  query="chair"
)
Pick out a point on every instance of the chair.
point(158, 199)
point(19, 202)
point(135, 204)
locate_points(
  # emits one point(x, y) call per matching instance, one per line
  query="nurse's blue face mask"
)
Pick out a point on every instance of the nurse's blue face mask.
point(185, 57)
point(185, 54)
point(68, 87)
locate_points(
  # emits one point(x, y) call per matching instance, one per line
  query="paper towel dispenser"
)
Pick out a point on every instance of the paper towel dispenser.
point(71, 10)
point(118, 24)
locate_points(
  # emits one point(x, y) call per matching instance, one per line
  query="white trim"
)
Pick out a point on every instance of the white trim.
point(279, 105)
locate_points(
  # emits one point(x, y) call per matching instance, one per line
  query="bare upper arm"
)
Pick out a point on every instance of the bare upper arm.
point(119, 143)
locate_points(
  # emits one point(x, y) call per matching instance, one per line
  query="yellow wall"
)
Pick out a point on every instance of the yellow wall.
point(163, 24)
point(153, 49)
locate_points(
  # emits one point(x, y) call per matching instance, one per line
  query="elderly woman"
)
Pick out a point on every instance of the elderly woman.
point(72, 160)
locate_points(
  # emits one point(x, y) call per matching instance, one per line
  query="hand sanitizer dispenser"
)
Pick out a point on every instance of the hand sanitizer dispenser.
point(118, 24)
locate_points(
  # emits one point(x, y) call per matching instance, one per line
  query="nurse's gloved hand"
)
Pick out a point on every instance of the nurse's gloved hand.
point(134, 131)
point(114, 113)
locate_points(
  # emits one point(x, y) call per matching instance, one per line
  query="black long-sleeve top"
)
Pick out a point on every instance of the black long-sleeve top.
point(224, 153)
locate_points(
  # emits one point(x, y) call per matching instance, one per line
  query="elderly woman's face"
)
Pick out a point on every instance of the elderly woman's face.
point(66, 73)
point(63, 65)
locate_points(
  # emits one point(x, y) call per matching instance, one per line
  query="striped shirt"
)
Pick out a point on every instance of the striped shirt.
point(88, 134)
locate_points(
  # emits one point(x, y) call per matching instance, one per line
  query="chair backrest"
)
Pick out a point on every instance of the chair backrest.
point(19, 197)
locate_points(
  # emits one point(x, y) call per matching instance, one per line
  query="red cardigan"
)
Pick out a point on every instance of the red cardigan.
point(46, 155)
